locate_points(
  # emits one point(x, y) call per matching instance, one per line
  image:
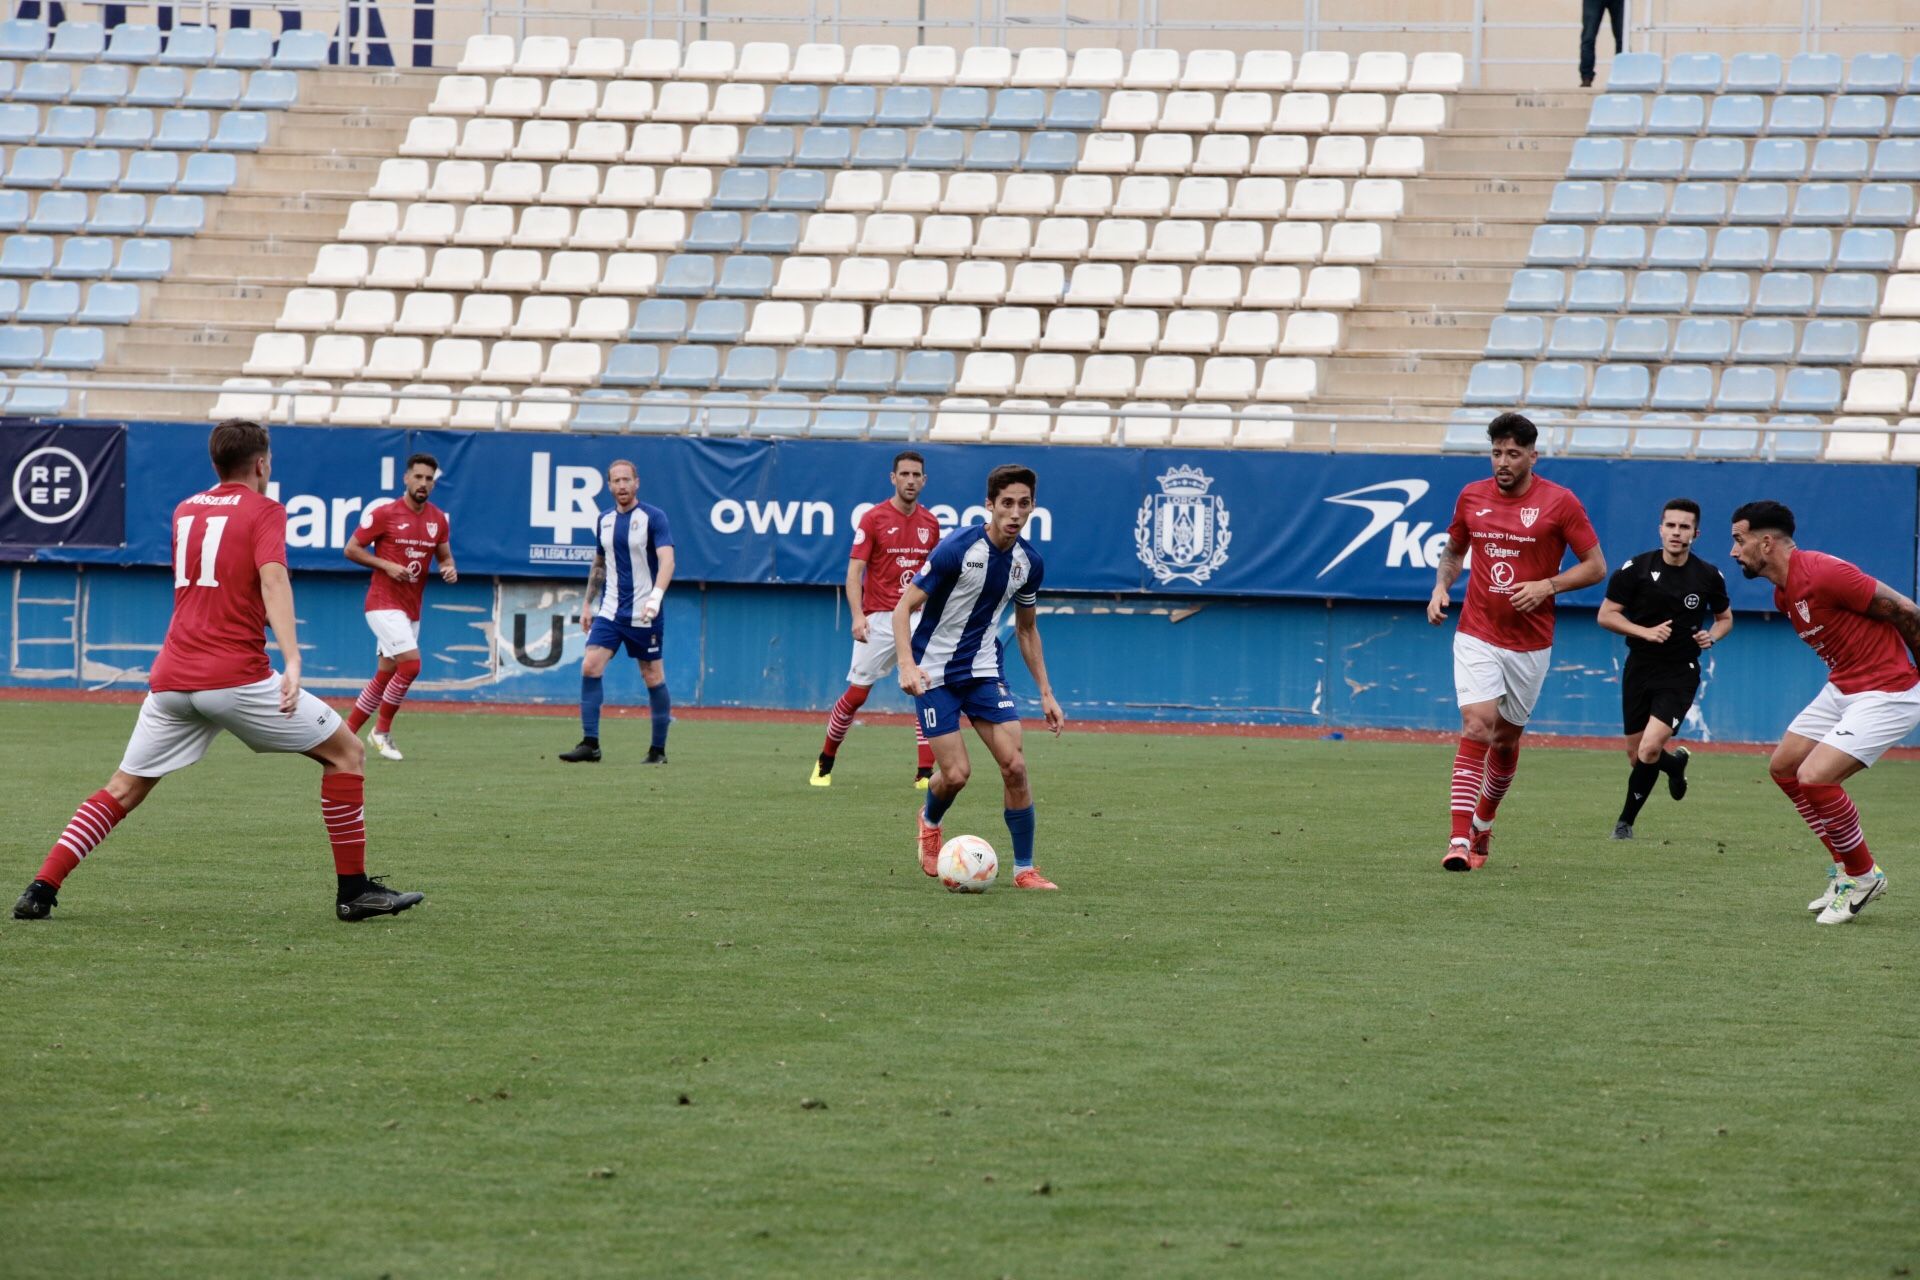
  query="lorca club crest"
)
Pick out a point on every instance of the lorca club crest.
point(1182, 530)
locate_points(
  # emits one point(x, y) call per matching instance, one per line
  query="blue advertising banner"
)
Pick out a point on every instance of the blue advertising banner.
point(66, 487)
point(1177, 522)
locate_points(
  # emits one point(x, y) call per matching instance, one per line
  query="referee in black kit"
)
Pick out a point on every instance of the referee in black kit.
point(1672, 607)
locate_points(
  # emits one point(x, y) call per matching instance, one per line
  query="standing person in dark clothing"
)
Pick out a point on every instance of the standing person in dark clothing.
point(1591, 11)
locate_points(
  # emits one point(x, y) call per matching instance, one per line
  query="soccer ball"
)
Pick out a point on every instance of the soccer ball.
point(968, 864)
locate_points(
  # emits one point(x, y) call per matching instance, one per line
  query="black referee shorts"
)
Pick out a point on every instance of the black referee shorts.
point(1662, 691)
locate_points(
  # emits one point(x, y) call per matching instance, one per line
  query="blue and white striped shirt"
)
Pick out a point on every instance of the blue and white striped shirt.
point(630, 542)
point(969, 583)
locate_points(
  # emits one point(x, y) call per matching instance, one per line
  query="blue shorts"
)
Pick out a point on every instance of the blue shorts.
point(981, 701)
point(641, 642)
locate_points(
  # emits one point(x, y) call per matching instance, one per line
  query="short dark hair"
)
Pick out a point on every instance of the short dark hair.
point(1517, 427)
point(1765, 514)
point(908, 455)
point(235, 443)
point(1010, 473)
point(1687, 505)
point(428, 460)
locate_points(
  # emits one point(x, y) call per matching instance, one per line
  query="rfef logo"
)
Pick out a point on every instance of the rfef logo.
point(50, 485)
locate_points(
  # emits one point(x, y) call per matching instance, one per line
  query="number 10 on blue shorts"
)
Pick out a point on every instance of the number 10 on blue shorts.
point(982, 701)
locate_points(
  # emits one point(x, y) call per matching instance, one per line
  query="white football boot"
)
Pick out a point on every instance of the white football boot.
point(1854, 893)
point(383, 743)
point(1825, 900)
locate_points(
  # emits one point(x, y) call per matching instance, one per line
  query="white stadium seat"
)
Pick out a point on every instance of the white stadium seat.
point(986, 373)
point(1153, 69)
point(1418, 113)
point(1359, 113)
point(1397, 157)
point(366, 311)
point(919, 280)
point(1265, 70)
point(1071, 329)
point(570, 99)
point(1436, 71)
point(1354, 242)
point(1311, 333)
point(396, 359)
point(599, 57)
point(764, 62)
point(929, 65)
point(1377, 199)
point(1323, 70)
point(857, 280)
point(514, 96)
point(707, 60)
point(483, 315)
point(1041, 67)
point(487, 55)
point(334, 355)
point(1097, 68)
point(1131, 329)
point(309, 310)
point(777, 324)
point(1191, 332)
point(1289, 378)
point(276, 354)
point(374, 220)
point(1281, 155)
point(1029, 426)
point(1077, 422)
point(459, 96)
point(953, 327)
point(1302, 112)
point(629, 274)
point(627, 100)
point(1379, 71)
point(428, 314)
point(543, 56)
point(431, 137)
point(873, 64)
point(985, 66)
point(1213, 285)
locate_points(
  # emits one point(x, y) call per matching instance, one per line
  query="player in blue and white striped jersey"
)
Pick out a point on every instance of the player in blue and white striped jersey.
point(951, 662)
point(621, 607)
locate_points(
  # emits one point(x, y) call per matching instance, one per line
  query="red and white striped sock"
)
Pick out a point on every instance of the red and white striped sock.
point(925, 749)
point(1842, 823)
point(343, 808)
point(369, 700)
point(1502, 764)
point(1469, 773)
point(1791, 785)
point(841, 718)
point(403, 676)
point(91, 823)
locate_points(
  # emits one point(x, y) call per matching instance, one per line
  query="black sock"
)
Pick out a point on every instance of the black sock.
point(826, 764)
point(590, 742)
point(352, 886)
point(1639, 787)
point(1670, 764)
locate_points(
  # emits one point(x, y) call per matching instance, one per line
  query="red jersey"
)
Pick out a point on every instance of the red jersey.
point(396, 532)
point(894, 547)
point(1515, 540)
point(1826, 601)
point(217, 639)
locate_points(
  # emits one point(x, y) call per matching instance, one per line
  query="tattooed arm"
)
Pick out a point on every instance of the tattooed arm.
point(1890, 606)
point(595, 577)
point(1446, 569)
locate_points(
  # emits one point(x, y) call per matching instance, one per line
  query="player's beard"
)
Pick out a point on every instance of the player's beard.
point(1750, 573)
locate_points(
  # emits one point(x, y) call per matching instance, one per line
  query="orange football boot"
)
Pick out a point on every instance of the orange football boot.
point(1030, 878)
point(929, 844)
point(1459, 856)
point(1477, 855)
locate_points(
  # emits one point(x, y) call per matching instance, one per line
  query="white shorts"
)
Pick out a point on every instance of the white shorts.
point(175, 729)
point(874, 657)
point(1485, 672)
point(1863, 725)
point(394, 633)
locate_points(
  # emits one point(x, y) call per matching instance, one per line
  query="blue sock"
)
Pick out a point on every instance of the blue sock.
point(662, 705)
point(937, 806)
point(592, 694)
point(1020, 827)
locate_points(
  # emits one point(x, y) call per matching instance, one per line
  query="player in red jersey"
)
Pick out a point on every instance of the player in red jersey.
point(1868, 634)
point(229, 584)
point(1519, 527)
point(396, 542)
point(890, 544)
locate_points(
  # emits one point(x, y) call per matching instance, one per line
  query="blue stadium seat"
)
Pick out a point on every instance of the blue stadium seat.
point(781, 414)
point(118, 213)
point(19, 123)
point(1754, 73)
point(766, 145)
point(102, 84)
point(1616, 113)
point(245, 48)
point(799, 189)
point(842, 418)
point(68, 127)
point(1597, 289)
point(1018, 109)
point(210, 173)
point(92, 170)
point(134, 42)
point(1682, 386)
point(1739, 248)
point(1764, 341)
point(1515, 337)
point(1795, 446)
point(1076, 109)
point(1876, 73)
point(1618, 247)
point(749, 369)
point(110, 303)
point(1906, 117)
point(905, 106)
point(1865, 249)
point(1558, 246)
point(1840, 160)
point(1797, 115)
point(151, 171)
point(1577, 202)
point(900, 418)
point(824, 147)
point(1619, 386)
point(1858, 117)
point(23, 39)
point(1784, 293)
point(875, 369)
point(59, 213)
point(1593, 440)
point(1803, 249)
point(84, 258)
point(1467, 432)
point(1811, 391)
point(746, 275)
point(1695, 73)
point(1662, 442)
point(1678, 113)
point(993, 149)
point(1738, 115)
point(1825, 204)
point(742, 189)
point(1717, 160)
point(719, 416)
point(26, 255)
point(75, 348)
point(1699, 202)
point(190, 46)
point(772, 232)
point(177, 216)
point(271, 91)
point(1704, 340)
point(240, 131)
point(1597, 158)
point(850, 104)
point(1639, 337)
point(962, 108)
point(881, 149)
point(14, 208)
point(714, 231)
point(78, 42)
point(1897, 160)
point(686, 275)
point(1830, 342)
point(1051, 151)
point(937, 149)
point(1722, 293)
point(1634, 73)
point(1848, 293)
point(601, 410)
point(809, 369)
point(129, 127)
point(9, 298)
point(1638, 202)
point(184, 130)
point(214, 88)
point(1681, 248)
point(1885, 204)
point(691, 366)
point(659, 320)
point(37, 395)
point(1494, 382)
point(720, 322)
point(143, 260)
point(157, 87)
point(632, 365)
point(21, 346)
point(926, 373)
point(50, 302)
point(1759, 204)
point(1814, 73)
point(793, 104)
point(1778, 160)
point(43, 82)
point(34, 167)
point(1536, 291)
point(302, 50)
point(1726, 442)
point(1751, 389)
point(1578, 338)
point(663, 413)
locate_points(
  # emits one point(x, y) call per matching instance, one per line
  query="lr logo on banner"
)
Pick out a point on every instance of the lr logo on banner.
point(1182, 530)
point(50, 485)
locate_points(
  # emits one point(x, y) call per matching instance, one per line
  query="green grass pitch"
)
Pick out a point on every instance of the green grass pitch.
point(706, 1021)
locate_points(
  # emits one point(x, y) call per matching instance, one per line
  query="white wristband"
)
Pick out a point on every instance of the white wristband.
point(655, 596)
